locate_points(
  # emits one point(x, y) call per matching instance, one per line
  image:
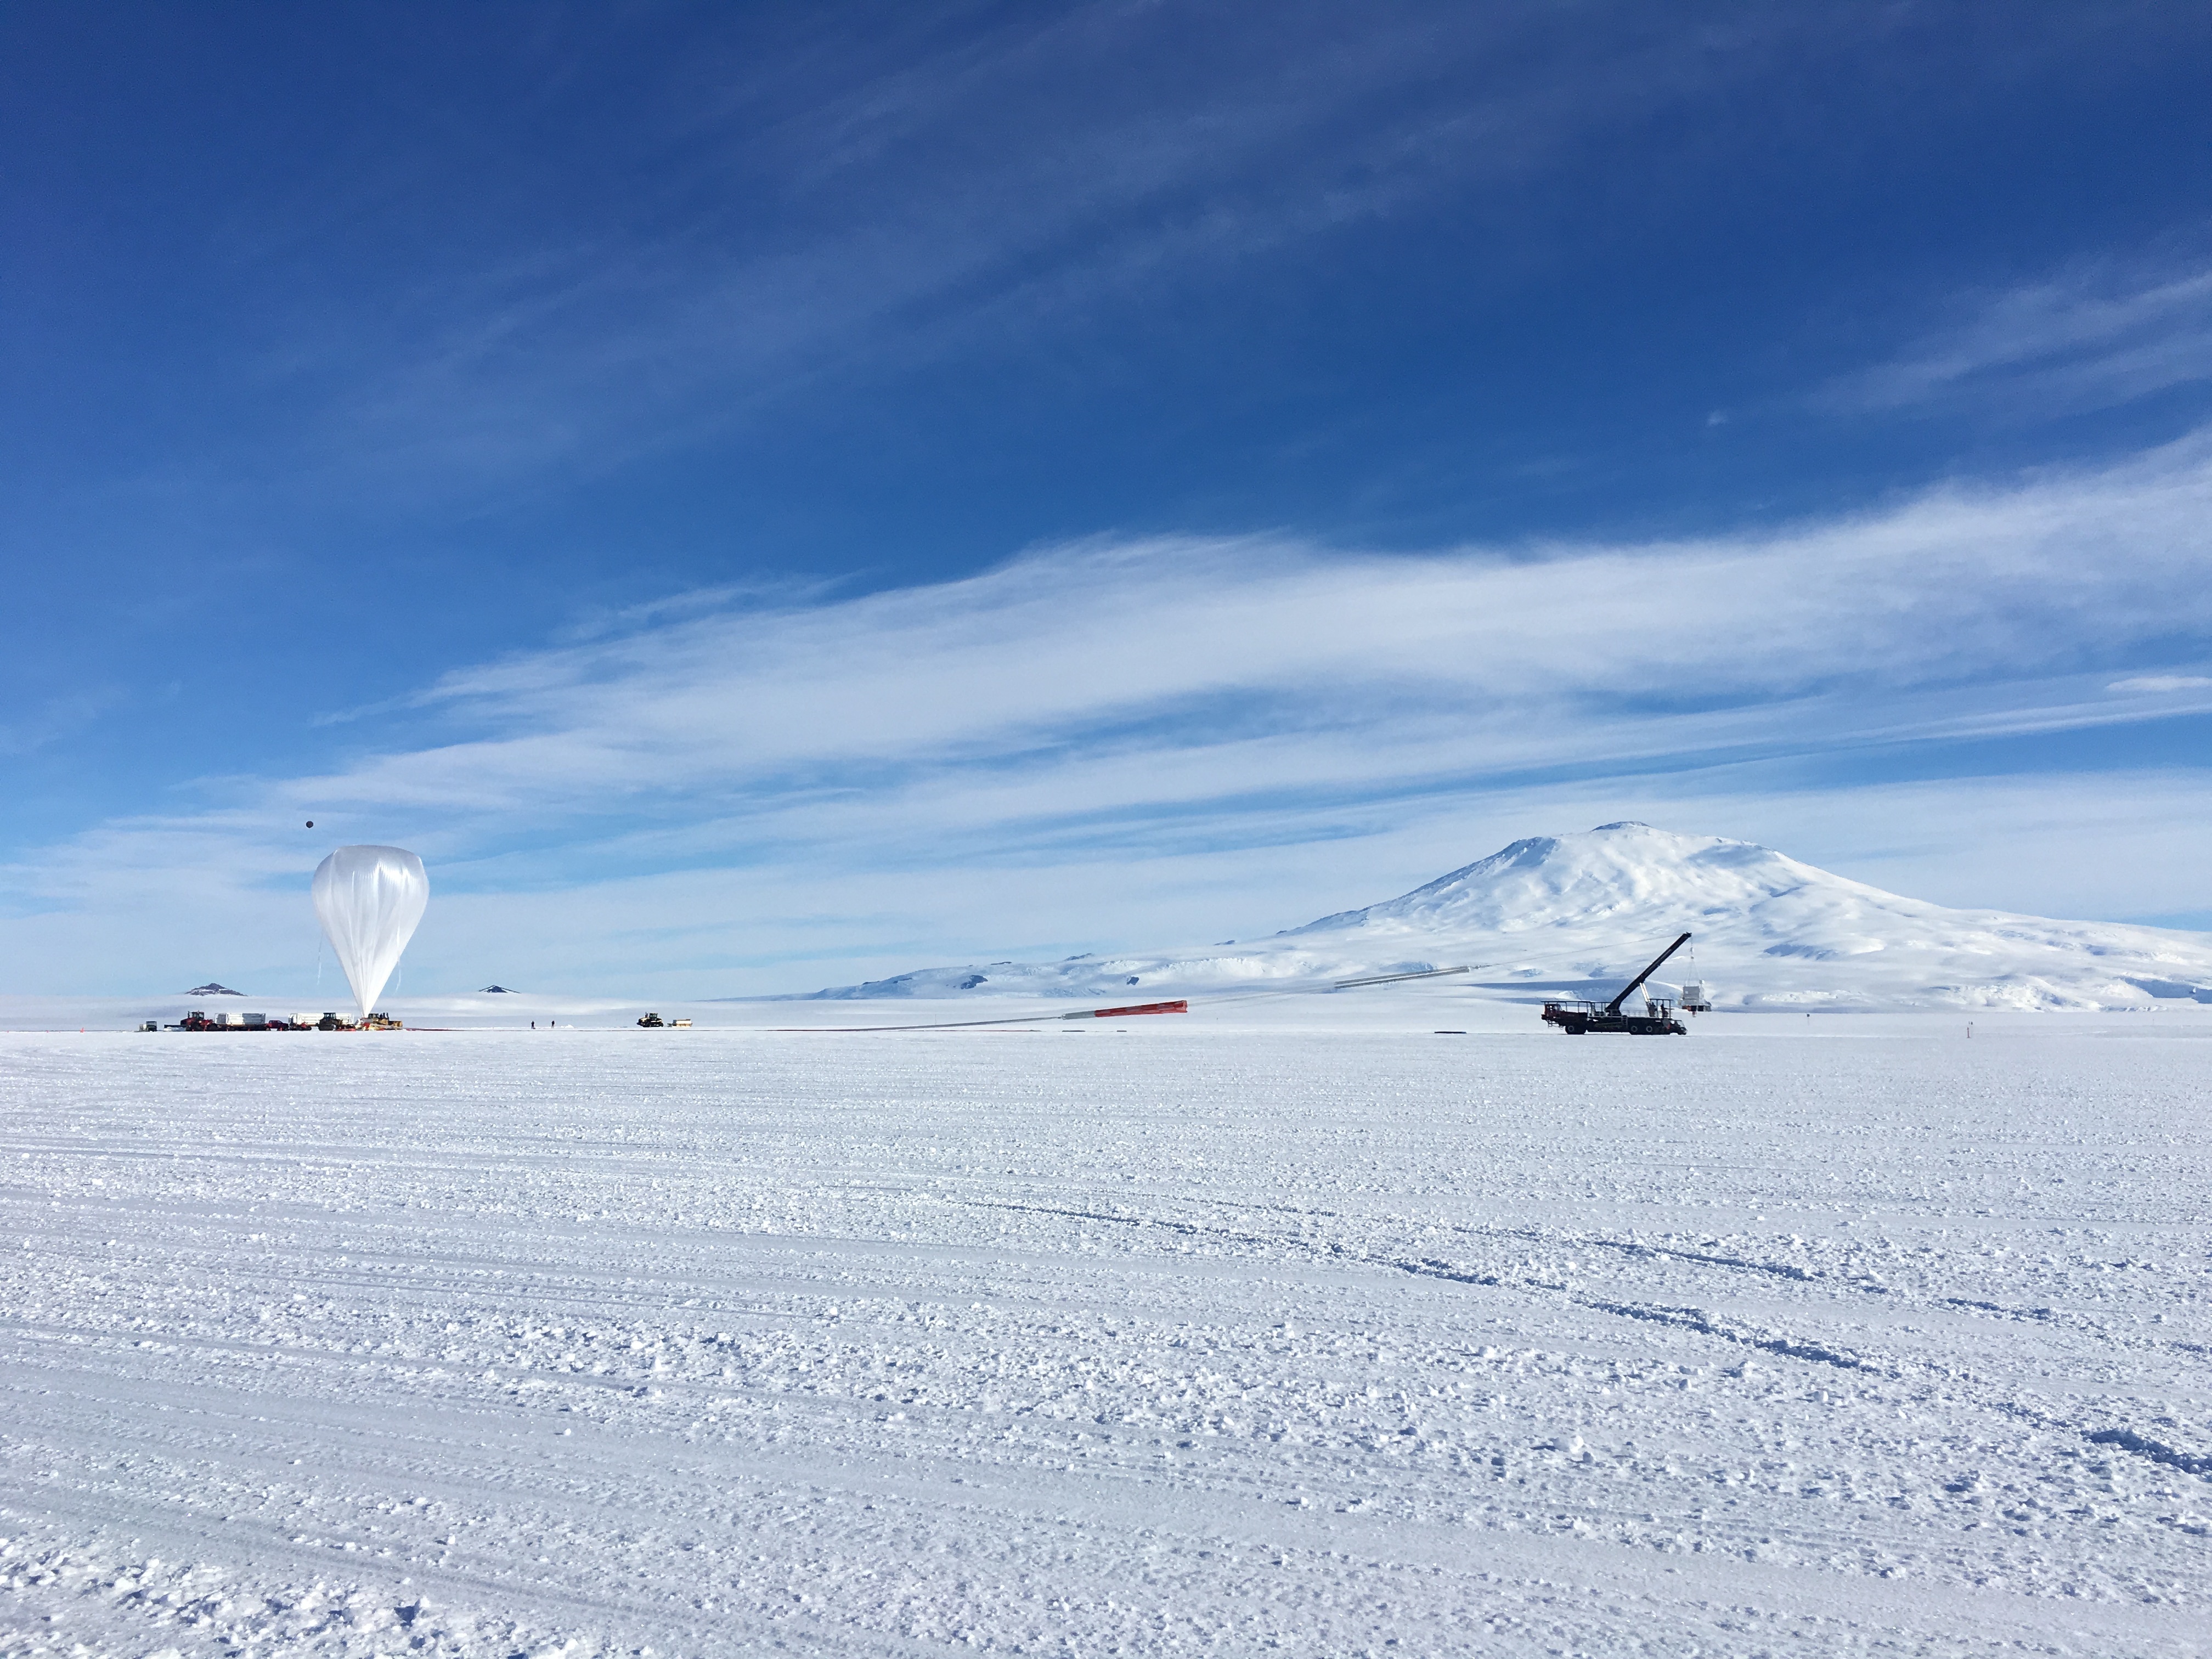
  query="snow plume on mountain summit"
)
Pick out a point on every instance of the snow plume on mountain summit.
point(1573, 914)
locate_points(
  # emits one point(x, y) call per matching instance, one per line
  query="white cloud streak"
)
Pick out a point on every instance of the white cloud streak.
point(2091, 337)
point(1078, 662)
point(1162, 719)
point(2158, 682)
point(968, 195)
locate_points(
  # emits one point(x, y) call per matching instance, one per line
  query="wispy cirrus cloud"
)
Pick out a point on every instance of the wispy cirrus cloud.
point(2093, 336)
point(55, 718)
point(1940, 609)
point(1185, 710)
point(961, 188)
point(2162, 682)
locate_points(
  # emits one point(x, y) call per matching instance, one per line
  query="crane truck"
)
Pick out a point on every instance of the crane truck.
point(1579, 1018)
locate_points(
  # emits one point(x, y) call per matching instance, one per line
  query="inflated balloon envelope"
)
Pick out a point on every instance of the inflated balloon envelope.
point(369, 900)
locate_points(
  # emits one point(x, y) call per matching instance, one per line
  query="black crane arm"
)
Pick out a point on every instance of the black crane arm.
point(1628, 990)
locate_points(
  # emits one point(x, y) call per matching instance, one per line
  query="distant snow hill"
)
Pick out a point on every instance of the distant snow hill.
point(1573, 915)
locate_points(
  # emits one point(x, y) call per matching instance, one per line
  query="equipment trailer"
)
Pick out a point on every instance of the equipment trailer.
point(1579, 1018)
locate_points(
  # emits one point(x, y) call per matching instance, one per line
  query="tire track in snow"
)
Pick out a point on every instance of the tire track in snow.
point(1695, 1320)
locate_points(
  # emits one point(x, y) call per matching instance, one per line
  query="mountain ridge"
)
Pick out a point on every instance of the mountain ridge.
point(1561, 914)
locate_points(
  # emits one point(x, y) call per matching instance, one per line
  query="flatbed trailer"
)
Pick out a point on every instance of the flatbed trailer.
point(1581, 1018)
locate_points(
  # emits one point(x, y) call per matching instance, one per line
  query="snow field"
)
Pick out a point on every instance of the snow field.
point(1187, 1339)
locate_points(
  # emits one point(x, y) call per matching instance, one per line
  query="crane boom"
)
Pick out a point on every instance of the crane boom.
point(1629, 989)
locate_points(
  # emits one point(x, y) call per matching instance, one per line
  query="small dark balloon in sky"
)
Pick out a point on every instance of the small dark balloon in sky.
point(311, 824)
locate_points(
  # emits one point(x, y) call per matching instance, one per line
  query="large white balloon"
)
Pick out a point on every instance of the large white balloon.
point(369, 899)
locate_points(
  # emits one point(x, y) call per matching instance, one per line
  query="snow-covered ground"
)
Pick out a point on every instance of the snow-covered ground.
point(1576, 914)
point(1289, 1326)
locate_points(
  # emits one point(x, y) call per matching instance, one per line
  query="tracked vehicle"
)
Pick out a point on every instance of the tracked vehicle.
point(1579, 1018)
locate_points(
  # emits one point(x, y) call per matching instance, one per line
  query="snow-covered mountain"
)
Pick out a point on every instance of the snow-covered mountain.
point(1571, 915)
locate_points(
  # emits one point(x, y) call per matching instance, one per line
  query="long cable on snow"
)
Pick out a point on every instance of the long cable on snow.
point(1082, 1013)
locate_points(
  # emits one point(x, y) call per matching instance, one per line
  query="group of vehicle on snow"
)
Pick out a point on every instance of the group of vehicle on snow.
point(369, 900)
point(200, 1020)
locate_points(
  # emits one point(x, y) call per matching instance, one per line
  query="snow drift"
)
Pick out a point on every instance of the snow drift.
point(1568, 914)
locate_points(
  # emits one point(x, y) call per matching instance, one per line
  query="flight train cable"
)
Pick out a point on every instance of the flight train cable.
point(1135, 1010)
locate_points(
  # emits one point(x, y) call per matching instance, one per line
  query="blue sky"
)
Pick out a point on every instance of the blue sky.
point(766, 496)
